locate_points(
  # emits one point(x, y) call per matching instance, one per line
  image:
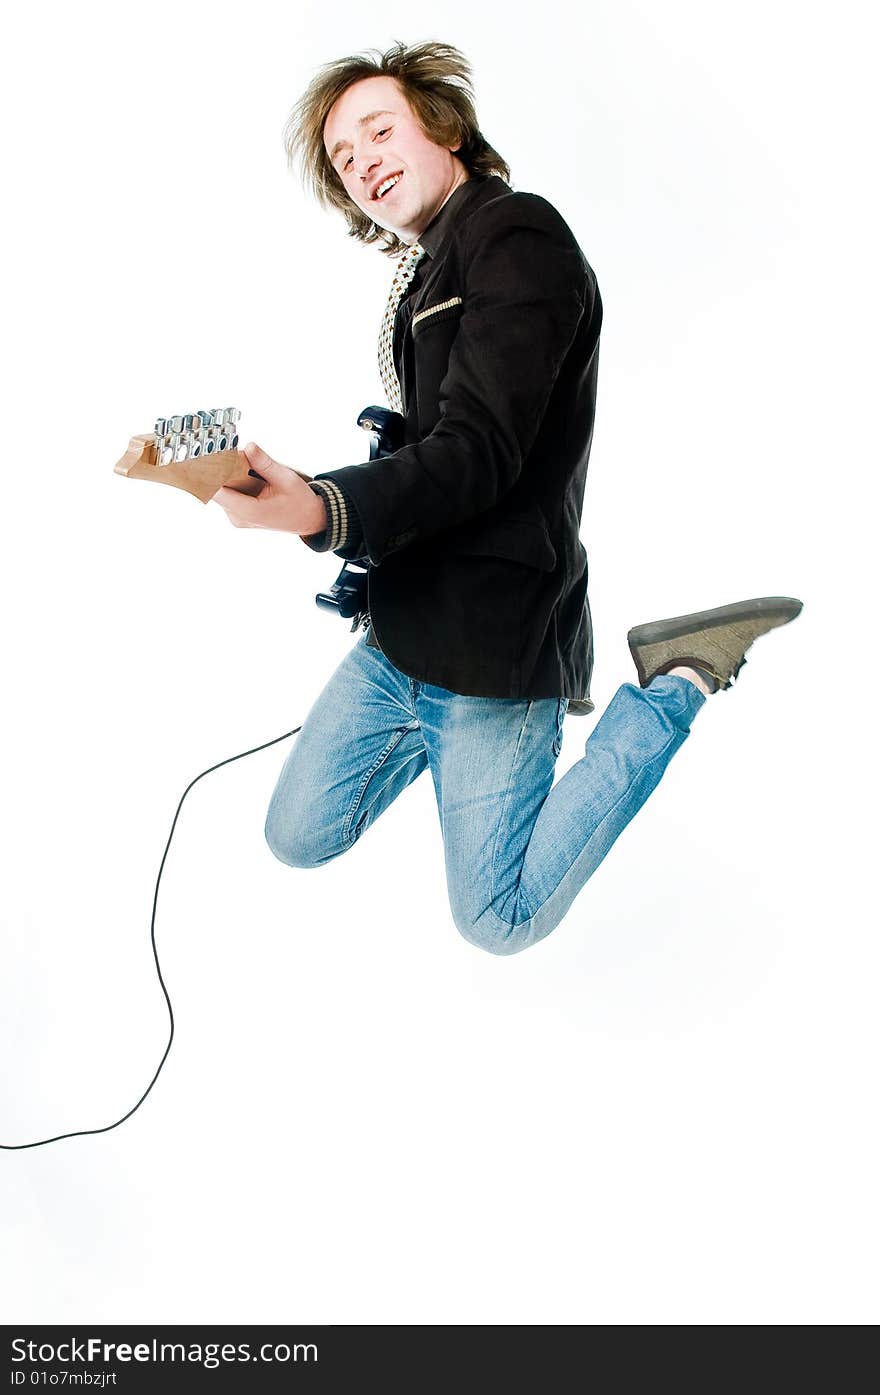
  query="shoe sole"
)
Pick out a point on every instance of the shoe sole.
point(761, 608)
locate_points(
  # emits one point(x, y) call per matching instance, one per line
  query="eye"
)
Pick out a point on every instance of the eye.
point(384, 131)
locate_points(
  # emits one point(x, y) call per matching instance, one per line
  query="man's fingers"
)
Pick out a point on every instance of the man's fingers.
point(285, 503)
point(270, 469)
point(239, 508)
point(259, 460)
point(273, 473)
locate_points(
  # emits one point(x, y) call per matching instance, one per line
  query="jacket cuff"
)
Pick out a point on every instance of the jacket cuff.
point(336, 531)
point(343, 533)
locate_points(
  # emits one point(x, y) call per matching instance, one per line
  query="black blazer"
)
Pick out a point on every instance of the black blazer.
point(479, 578)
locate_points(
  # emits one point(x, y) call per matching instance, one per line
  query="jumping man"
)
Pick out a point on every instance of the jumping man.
point(479, 635)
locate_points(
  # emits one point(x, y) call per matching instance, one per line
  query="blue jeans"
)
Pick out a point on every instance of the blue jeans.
point(518, 848)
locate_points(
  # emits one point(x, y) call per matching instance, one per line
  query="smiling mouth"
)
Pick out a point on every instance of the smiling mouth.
point(387, 185)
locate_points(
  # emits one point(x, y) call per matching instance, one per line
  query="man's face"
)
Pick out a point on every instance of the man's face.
point(372, 136)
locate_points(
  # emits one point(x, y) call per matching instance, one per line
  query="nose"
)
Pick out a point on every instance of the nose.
point(365, 161)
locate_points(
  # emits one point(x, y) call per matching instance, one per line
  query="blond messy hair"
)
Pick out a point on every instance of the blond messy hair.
point(436, 81)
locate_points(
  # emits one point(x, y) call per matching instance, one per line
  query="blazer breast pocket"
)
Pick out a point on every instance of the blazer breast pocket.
point(431, 315)
point(433, 332)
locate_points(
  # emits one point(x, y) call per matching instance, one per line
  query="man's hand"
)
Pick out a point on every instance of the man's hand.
point(285, 503)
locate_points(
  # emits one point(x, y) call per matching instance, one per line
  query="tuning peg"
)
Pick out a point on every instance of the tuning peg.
point(218, 435)
point(177, 445)
point(162, 439)
point(206, 431)
point(163, 449)
point(226, 417)
point(231, 416)
point(197, 443)
point(191, 427)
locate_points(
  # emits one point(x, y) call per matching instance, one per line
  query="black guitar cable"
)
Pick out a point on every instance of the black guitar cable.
point(82, 1133)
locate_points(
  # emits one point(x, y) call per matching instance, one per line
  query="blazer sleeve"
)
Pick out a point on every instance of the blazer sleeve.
point(525, 287)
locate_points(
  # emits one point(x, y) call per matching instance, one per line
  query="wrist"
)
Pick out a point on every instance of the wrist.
point(316, 516)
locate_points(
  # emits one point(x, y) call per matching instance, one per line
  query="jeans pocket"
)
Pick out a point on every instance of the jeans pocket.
point(561, 709)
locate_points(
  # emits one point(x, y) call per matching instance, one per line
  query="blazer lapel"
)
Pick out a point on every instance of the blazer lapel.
point(436, 287)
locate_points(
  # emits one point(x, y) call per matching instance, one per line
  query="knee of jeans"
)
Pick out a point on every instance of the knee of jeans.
point(487, 931)
point(297, 844)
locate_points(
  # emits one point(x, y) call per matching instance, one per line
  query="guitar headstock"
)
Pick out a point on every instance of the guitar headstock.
point(197, 452)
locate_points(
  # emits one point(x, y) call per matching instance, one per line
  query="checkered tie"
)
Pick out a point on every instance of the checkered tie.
point(406, 270)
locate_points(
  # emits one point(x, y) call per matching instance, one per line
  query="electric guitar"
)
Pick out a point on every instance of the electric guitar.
point(199, 452)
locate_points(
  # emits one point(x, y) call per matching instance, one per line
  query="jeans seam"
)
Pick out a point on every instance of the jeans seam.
point(658, 755)
point(504, 810)
point(348, 837)
point(560, 718)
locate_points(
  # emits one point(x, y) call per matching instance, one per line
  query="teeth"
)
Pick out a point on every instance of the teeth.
point(386, 185)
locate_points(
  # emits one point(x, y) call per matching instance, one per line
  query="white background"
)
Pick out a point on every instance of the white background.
point(665, 1112)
